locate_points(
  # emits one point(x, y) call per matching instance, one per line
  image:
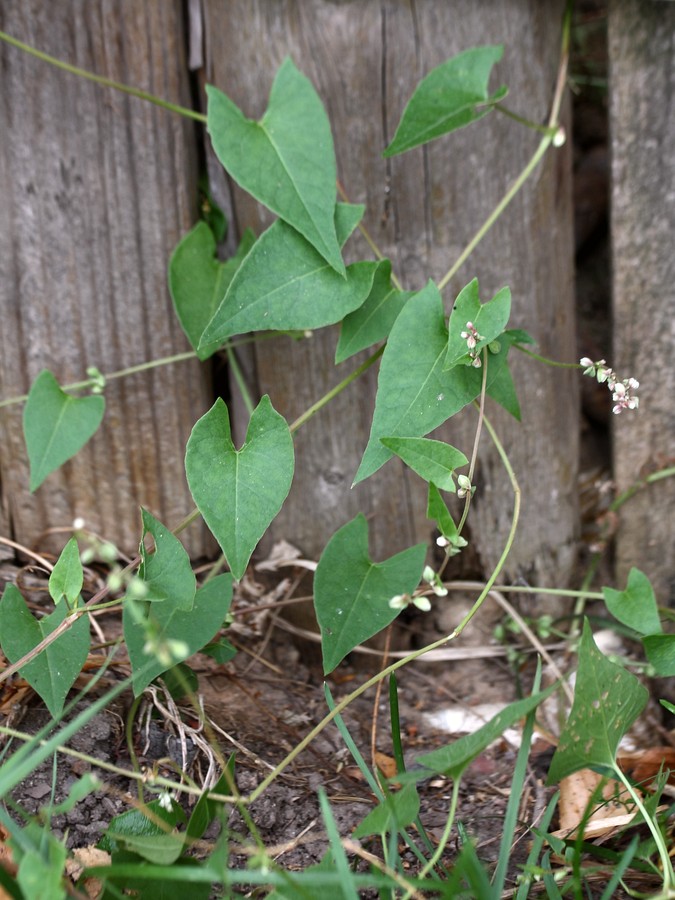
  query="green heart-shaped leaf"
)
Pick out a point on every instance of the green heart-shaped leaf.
point(489, 320)
point(239, 492)
point(56, 425)
point(285, 285)
point(53, 672)
point(198, 281)
point(67, 577)
point(166, 571)
point(352, 593)
point(286, 160)
point(190, 630)
point(635, 607)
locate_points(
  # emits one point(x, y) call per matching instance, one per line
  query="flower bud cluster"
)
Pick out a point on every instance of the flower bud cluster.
point(621, 389)
point(472, 338)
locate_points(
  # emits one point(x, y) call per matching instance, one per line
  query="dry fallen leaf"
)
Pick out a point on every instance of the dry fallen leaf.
point(613, 807)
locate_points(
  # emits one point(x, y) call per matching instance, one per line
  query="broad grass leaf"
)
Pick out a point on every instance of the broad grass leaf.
point(67, 577)
point(607, 700)
point(374, 319)
point(166, 571)
point(352, 593)
point(414, 393)
point(635, 607)
point(198, 281)
point(434, 461)
point(489, 319)
point(239, 492)
point(453, 759)
point(56, 425)
point(286, 160)
point(284, 284)
point(53, 672)
point(194, 628)
point(451, 96)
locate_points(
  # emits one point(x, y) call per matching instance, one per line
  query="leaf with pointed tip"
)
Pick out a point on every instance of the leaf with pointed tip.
point(451, 96)
point(286, 160)
point(434, 461)
point(67, 577)
point(489, 319)
point(372, 321)
point(635, 607)
point(284, 285)
point(660, 651)
point(239, 492)
point(53, 672)
point(439, 513)
point(167, 572)
point(198, 281)
point(607, 700)
point(414, 393)
point(394, 813)
point(453, 759)
point(190, 629)
point(56, 425)
point(352, 593)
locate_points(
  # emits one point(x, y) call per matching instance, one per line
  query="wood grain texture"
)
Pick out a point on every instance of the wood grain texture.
point(96, 188)
point(642, 77)
point(364, 59)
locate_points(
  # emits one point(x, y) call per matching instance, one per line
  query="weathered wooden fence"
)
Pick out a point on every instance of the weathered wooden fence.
point(97, 187)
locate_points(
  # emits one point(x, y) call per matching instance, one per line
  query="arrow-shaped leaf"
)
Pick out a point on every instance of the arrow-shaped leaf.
point(189, 630)
point(489, 319)
point(286, 160)
point(434, 461)
point(414, 394)
point(635, 607)
point(166, 571)
point(451, 96)
point(607, 700)
point(372, 321)
point(198, 281)
point(239, 492)
point(352, 593)
point(53, 672)
point(284, 284)
point(67, 577)
point(56, 425)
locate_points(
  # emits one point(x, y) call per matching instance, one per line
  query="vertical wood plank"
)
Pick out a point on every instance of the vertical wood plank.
point(364, 59)
point(642, 123)
point(96, 189)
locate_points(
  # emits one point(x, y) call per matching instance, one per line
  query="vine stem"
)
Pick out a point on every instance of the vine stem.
point(393, 667)
point(102, 80)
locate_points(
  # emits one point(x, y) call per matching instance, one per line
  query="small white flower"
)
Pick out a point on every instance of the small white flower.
point(166, 801)
point(423, 603)
point(400, 601)
point(442, 541)
point(78, 523)
point(428, 574)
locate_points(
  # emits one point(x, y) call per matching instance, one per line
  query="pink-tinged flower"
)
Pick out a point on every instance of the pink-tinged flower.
point(622, 396)
point(472, 338)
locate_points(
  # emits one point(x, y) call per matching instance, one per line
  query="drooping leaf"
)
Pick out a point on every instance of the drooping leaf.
point(635, 607)
point(372, 321)
point(489, 320)
point(434, 461)
point(166, 571)
point(239, 492)
point(395, 813)
point(198, 281)
point(438, 512)
point(500, 387)
point(660, 651)
point(451, 96)
point(206, 809)
point(192, 629)
point(286, 160)
point(607, 700)
point(283, 284)
point(414, 394)
point(56, 425)
point(67, 577)
point(352, 593)
point(453, 759)
point(53, 672)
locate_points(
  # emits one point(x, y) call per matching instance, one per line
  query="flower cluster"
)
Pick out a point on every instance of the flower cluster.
point(472, 338)
point(621, 390)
